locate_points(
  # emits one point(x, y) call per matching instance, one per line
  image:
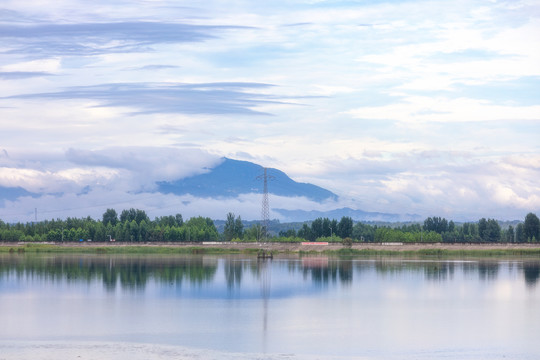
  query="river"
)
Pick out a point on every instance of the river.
point(238, 307)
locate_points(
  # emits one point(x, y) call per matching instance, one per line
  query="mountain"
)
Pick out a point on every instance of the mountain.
point(357, 215)
point(234, 177)
point(12, 193)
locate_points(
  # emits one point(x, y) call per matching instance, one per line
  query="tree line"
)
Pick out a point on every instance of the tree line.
point(134, 225)
point(131, 225)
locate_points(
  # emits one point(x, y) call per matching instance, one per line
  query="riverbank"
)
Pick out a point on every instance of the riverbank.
point(357, 249)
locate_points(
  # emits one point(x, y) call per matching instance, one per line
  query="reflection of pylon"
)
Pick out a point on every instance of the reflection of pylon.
point(265, 212)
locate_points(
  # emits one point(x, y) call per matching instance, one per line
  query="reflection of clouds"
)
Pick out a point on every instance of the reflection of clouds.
point(503, 290)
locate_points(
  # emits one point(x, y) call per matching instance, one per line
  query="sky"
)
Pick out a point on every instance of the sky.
point(408, 107)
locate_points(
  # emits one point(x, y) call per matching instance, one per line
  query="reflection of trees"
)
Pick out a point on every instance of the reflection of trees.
point(324, 271)
point(131, 272)
point(439, 271)
point(488, 270)
point(134, 272)
point(531, 271)
point(346, 272)
point(432, 270)
point(233, 273)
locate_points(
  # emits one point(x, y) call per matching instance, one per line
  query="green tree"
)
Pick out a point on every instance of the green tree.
point(510, 234)
point(327, 228)
point(239, 227)
point(253, 232)
point(143, 231)
point(306, 233)
point(531, 227)
point(520, 233)
point(437, 224)
point(345, 227)
point(133, 214)
point(364, 232)
point(233, 227)
point(492, 231)
point(179, 220)
point(110, 217)
point(99, 234)
point(451, 226)
point(482, 227)
point(317, 228)
point(201, 229)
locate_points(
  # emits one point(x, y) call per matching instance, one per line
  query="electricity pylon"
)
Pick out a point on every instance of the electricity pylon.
point(265, 212)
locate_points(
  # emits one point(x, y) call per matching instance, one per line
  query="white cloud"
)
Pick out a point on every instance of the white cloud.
point(413, 106)
point(154, 163)
point(437, 109)
point(94, 203)
point(50, 65)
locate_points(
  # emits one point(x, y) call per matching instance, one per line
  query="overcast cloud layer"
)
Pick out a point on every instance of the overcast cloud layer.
point(426, 107)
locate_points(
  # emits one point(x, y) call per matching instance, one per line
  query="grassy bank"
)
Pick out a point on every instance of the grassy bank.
point(136, 250)
point(281, 249)
point(438, 253)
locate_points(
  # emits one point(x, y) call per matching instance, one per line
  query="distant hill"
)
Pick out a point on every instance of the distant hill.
point(234, 177)
point(12, 193)
point(357, 215)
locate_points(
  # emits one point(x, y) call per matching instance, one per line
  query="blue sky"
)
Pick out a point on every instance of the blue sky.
point(426, 107)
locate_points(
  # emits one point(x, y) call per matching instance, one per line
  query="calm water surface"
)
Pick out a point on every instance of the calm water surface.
point(311, 306)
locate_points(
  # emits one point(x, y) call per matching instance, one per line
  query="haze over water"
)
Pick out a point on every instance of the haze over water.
point(236, 307)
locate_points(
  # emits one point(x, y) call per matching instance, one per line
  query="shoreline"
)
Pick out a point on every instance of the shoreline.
point(357, 249)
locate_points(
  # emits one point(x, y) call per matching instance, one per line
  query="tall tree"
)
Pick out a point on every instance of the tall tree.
point(510, 234)
point(317, 228)
point(531, 227)
point(520, 233)
point(482, 227)
point(229, 232)
point(133, 215)
point(110, 217)
point(179, 220)
point(306, 233)
point(345, 227)
point(127, 215)
point(239, 228)
point(493, 231)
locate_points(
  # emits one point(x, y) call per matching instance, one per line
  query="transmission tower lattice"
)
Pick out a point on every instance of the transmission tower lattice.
point(265, 212)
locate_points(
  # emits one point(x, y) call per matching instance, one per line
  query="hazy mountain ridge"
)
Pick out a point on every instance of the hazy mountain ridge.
point(234, 177)
point(12, 193)
point(356, 215)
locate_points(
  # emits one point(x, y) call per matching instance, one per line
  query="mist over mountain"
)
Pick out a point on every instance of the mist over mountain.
point(234, 177)
point(230, 186)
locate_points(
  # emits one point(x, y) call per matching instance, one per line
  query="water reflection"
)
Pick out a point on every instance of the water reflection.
point(134, 272)
point(263, 267)
point(130, 272)
point(359, 308)
point(488, 270)
point(233, 274)
point(532, 273)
